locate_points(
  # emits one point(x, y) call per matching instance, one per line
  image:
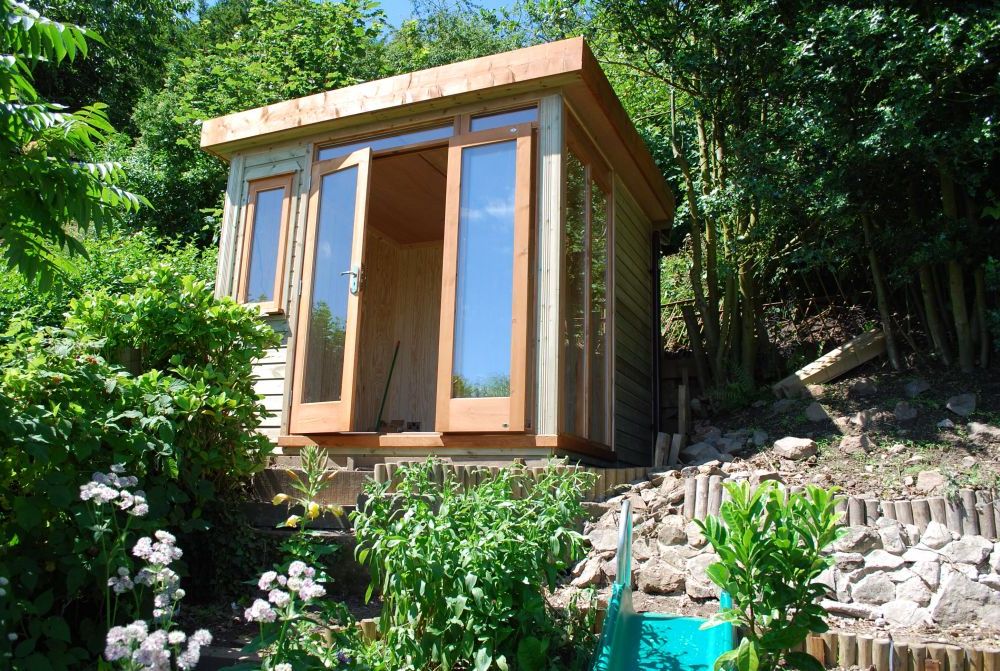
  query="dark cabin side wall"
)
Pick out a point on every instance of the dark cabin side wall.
point(633, 367)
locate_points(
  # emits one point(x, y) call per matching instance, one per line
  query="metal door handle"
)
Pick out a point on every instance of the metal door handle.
point(354, 272)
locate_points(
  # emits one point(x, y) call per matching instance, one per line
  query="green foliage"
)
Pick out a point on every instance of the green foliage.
point(109, 260)
point(184, 424)
point(47, 182)
point(462, 573)
point(770, 554)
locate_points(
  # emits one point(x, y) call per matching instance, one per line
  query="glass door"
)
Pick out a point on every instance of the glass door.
point(327, 325)
point(482, 363)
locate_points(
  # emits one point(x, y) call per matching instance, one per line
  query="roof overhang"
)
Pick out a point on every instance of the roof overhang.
point(567, 65)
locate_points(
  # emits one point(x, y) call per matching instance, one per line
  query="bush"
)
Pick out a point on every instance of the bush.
point(186, 429)
point(770, 555)
point(110, 259)
point(462, 574)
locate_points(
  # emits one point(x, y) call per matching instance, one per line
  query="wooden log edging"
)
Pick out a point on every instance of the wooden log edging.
point(880, 652)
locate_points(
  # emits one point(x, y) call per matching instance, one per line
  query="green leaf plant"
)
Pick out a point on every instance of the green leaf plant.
point(771, 546)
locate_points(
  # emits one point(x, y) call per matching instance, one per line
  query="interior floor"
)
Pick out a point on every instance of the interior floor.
point(401, 292)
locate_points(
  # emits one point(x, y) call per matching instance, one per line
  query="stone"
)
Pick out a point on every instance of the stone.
point(962, 601)
point(978, 430)
point(659, 577)
point(962, 405)
point(642, 551)
point(591, 573)
point(783, 405)
point(695, 538)
point(946, 424)
point(671, 531)
point(697, 585)
point(891, 535)
point(914, 589)
point(815, 390)
point(863, 419)
point(848, 561)
point(863, 387)
point(857, 539)
point(920, 552)
point(672, 487)
point(648, 495)
point(914, 459)
point(759, 438)
point(930, 482)
point(991, 580)
point(882, 560)
point(928, 571)
point(936, 535)
point(904, 612)
point(858, 611)
point(764, 475)
point(795, 449)
point(968, 550)
point(968, 570)
point(603, 540)
point(995, 558)
point(816, 413)
point(856, 444)
point(699, 453)
point(897, 448)
point(968, 462)
point(915, 388)
point(904, 412)
point(874, 589)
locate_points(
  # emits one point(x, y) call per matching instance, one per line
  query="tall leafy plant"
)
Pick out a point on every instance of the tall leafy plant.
point(771, 551)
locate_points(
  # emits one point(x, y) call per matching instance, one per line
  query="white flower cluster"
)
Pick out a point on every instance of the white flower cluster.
point(3, 583)
point(153, 651)
point(279, 588)
point(107, 487)
point(163, 552)
point(164, 582)
point(122, 582)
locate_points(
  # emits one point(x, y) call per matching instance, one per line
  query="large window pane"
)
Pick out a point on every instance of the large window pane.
point(575, 283)
point(388, 141)
point(264, 246)
point(598, 314)
point(484, 282)
point(324, 368)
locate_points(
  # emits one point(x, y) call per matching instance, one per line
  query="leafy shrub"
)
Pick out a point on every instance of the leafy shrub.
point(462, 574)
point(65, 411)
point(770, 554)
point(109, 260)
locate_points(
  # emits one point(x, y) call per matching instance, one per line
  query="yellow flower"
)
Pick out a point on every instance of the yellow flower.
point(292, 521)
point(312, 510)
point(335, 510)
point(279, 499)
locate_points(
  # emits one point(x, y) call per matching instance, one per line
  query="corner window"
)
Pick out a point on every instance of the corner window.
point(585, 337)
point(262, 261)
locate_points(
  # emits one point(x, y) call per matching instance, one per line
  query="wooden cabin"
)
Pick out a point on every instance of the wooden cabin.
point(483, 230)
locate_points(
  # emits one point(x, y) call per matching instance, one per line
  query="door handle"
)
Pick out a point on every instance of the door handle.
point(355, 273)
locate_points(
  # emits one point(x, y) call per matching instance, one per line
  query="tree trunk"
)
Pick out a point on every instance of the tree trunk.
point(748, 321)
point(881, 296)
point(934, 325)
point(985, 345)
point(956, 280)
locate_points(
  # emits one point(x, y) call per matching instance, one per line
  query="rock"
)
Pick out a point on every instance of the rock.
point(936, 535)
point(882, 560)
point(915, 388)
point(707, 434)
point(603, 540)
point(783, 405)
point(904, 412)
point(920, 553)
point(759, 438)
point(897, 448)
point(904, 612)
point(671, 531)
point(995, 558)
point(968, 550)
point(816, 413)
point(874, 589)
point(991, 580)
point(642, 551)
point(914, 459)
point(962, 405)
point(891, 534)
point(764, 475)
point(855, 444)
point(848, 561)
point(591, 573)
point(699, 453)
point(648, 495)
point(946, 424)
point(962, 601)
point(914, 589)
point(928, 571)
point(694, 536)
point(795, 449)
point(672, 487)
point(863, 387)
point(815, 390)
point(968, 570)
point(713, 467)
point(930, 482)
point(697, 585)
point(857, 539)
point(968, 462)
point(980, 431)
point(863, 419)
point(859, 611)
point(659, 577)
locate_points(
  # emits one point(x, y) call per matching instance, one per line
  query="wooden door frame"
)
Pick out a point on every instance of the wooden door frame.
point(498, 414)
point(330, 416)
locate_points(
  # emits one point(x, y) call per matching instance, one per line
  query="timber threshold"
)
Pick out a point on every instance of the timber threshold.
point(430, 440)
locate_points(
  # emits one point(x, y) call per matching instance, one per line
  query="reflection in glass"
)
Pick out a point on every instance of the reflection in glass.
point(324, 365)
point(484, 281)
point(264, 245)
point(598, 314)
point(388, 141)
point(575, 281)
point(501, 119)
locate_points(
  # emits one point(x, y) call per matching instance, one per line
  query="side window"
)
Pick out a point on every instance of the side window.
point(265, 231)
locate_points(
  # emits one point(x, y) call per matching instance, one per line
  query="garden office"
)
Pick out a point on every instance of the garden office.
point(462, 260)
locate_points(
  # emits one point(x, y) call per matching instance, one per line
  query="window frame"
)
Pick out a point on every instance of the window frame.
point(254, 187)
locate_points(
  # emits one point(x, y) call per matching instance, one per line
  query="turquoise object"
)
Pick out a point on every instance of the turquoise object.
point(633, 641)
